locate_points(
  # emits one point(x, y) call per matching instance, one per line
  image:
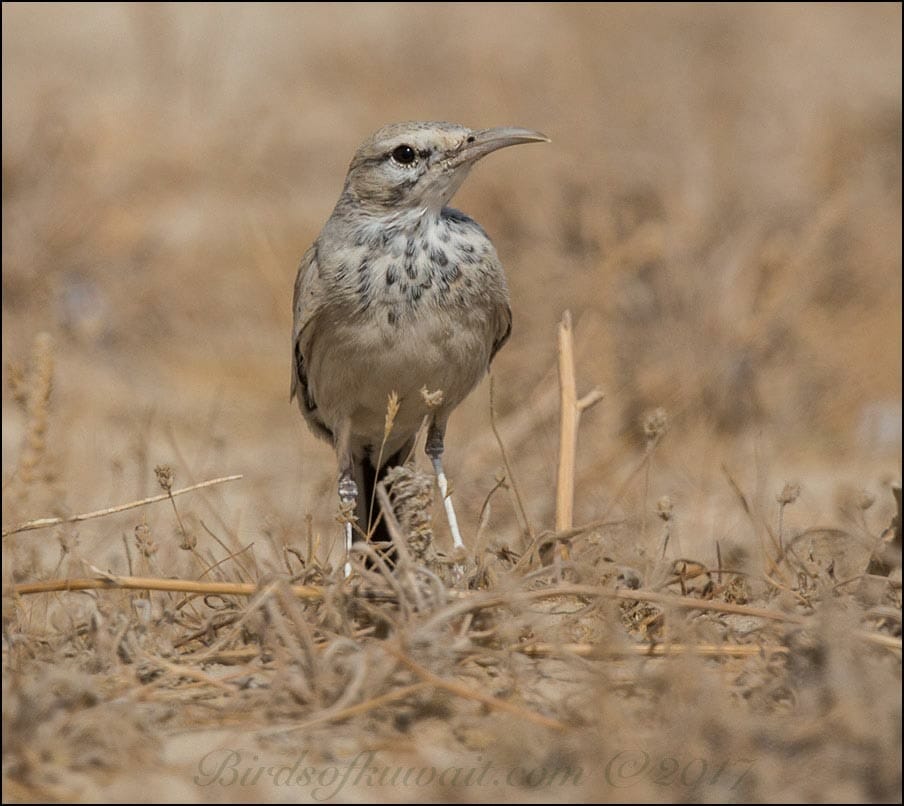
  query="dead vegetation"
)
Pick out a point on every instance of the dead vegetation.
point(546, 637)
point(691, 591)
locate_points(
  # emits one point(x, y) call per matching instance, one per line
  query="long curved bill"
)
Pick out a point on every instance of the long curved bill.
point(485, 141)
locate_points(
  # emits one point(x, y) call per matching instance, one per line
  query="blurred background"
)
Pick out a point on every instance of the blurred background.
point(720, 209)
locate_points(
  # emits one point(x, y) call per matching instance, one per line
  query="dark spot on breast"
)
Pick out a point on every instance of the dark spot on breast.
point(410, 270)
point(416, 292)
point(451, 273)
point(364, 268)
point(423, 245)
point(392, 317)
point(468, 282)
point(438, 256)
point(364, 294)
point(392, 274)
point(410, 248)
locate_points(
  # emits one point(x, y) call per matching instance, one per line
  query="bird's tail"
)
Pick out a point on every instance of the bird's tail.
point(367, 476)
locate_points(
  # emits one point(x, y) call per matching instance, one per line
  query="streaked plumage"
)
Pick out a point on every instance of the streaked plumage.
point(398, 293)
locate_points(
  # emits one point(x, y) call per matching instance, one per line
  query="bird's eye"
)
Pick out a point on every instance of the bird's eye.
point(404, 155)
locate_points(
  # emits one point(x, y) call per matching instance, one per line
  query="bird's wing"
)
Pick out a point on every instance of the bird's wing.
point(503, 317)
point(306, 303)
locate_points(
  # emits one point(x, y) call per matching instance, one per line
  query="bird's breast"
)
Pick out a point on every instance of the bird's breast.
point(392, 271)
point(410, 310)
point(357, 365)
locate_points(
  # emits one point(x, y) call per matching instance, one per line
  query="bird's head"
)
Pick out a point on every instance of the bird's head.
point(419, 166)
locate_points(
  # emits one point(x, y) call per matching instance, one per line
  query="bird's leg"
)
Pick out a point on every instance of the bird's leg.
point(348, 498)
point(434, 450)
point(348, 494)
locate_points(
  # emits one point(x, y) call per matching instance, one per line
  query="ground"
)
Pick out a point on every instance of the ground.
point(720, 211)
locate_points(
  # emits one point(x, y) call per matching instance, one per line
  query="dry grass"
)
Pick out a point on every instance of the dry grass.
point(721, 212)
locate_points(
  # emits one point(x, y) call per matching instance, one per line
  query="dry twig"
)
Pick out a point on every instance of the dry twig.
point(43, 523)
point(570, 415)
point(461, 690)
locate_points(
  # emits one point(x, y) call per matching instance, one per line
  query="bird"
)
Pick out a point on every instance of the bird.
point(399, 296)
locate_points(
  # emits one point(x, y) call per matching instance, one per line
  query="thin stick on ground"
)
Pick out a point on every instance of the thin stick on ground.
point(231, 554)
point(569, 419)
point(484, 517)
point(468, 602)
point(568, 429)
point(758, 526)
point(43, 523)
point(405, 563)
point(585, 650)
point(116, 582)
point(226, 559)
point(177, 670)
point(577, 531)
point(352, 710)
point(520, 425)
point(505, 461)
point(392, 409)
point(392, 525)
point(466, 692)
point(641, 465)
point(481, 601)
